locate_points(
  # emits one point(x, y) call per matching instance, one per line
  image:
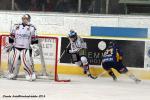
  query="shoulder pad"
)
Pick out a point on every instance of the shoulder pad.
point(81, 39)
point(16, 26)
point(31, 25)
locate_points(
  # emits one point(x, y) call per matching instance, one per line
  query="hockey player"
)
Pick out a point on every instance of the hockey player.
point(77, 51)
point(21, 37)
point(112, 58)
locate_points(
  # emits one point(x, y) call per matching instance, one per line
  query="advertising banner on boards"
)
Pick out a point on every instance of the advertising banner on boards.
point(133, 51)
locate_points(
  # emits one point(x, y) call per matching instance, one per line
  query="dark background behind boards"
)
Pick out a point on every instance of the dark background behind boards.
point(133, 52)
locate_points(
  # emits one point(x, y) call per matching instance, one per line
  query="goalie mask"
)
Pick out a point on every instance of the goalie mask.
point(26, 19)
point(72, 35)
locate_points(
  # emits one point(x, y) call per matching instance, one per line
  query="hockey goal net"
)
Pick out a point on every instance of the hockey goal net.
point(45, 64)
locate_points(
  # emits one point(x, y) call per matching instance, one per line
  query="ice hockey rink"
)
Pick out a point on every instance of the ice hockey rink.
point(80, 88)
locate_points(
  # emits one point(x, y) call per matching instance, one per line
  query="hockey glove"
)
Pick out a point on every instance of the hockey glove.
point(8, 47)
point(67, 50)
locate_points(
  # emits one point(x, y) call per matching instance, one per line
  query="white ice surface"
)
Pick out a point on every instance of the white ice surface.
point(80, 88)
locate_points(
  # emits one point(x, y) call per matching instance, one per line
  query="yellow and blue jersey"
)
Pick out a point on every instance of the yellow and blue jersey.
point(112, 54)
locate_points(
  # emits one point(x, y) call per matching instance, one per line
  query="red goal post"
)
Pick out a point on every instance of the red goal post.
point(47, 62)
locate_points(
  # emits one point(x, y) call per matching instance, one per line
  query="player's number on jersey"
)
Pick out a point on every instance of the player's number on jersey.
point(108, 52)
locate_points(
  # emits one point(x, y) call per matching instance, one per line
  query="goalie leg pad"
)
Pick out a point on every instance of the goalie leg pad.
point(11, 58)
point(13, 62)
point(31, 77)
point(26, 59)
point(11, 76)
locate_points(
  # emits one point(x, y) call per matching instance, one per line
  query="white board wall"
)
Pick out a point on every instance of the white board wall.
point(57, 23)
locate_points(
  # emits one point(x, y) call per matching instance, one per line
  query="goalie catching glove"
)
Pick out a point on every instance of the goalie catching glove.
point(8, 47)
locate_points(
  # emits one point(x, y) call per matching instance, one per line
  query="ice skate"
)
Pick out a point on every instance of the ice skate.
point(11, 76)
point(137, 81)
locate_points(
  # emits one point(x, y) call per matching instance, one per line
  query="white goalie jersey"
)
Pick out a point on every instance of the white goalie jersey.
point(77, 45)
point(23, 35)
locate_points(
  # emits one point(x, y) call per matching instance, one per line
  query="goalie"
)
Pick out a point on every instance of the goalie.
point(112, 58)
point(77, 52)
point(21, 37)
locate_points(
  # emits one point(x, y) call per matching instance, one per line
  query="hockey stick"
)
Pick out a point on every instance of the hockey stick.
point(95, 77)
point(103, 73)
point(91, 76)
point(99, 75)
point(52, 69)
point(64, 51)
